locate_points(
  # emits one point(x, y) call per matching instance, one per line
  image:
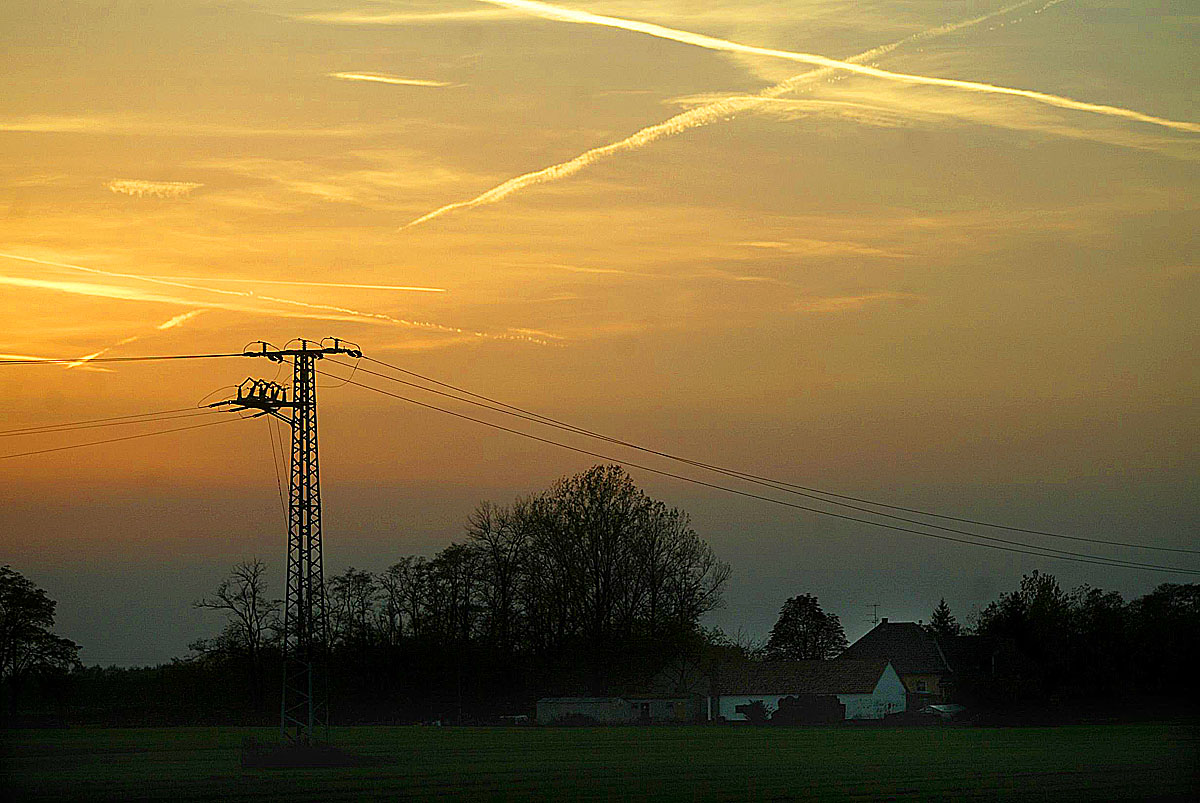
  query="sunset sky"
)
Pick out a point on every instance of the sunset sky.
point(753, 233)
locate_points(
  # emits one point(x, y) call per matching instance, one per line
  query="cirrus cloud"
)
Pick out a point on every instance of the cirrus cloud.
point(139, 188)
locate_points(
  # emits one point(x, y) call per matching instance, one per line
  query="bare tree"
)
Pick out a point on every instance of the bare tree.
point(251, 622)
point(352, 597)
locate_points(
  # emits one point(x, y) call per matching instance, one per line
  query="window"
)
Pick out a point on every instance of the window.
point(921, 686)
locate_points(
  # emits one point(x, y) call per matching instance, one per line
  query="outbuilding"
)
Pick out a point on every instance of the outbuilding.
point(807, 691)
point(634, 709)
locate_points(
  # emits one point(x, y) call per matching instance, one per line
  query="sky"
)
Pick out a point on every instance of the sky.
point(938, 253)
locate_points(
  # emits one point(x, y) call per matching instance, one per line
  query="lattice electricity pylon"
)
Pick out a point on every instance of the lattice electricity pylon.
point(304, 706)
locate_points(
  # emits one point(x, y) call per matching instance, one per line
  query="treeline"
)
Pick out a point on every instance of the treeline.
point(589, 587)
point(1087, 646)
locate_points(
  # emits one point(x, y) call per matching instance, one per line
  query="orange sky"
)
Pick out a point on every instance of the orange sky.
point(935, 295)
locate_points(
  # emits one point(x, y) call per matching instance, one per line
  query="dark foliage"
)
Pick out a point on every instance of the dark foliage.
point(30, 652)
point(1087, 646)
point(754, 711)
point(943, 623)
point(805, 632)
point(808, 709)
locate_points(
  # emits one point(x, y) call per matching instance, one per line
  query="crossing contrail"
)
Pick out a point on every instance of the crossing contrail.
point(171, 323)
point(346, 313)
point(552, 12)
point(693, 118)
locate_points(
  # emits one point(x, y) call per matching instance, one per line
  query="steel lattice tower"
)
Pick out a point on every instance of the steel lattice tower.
point(304, 707)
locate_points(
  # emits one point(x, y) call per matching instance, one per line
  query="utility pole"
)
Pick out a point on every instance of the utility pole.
point(304, 708)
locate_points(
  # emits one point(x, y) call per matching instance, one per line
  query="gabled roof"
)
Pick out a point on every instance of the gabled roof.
point(909, 646)
point(799, 677)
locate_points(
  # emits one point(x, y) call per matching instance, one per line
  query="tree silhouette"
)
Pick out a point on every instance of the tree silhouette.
point(251, 622)
point(804, 632)
point(27, 645)
point(943, 623)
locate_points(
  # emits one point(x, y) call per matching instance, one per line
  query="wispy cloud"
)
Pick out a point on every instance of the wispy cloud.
point(367, 178)
point(384, 78)
point(132, 125)
point(404, 17)
point(345, 285)
point(552, 12)
point(850, 302)
point(309, 310)
point(814, 247)
point(707, 114)
point(139, 188)
point(860, 113)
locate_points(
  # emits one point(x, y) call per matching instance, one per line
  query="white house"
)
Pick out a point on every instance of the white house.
point(845, 689)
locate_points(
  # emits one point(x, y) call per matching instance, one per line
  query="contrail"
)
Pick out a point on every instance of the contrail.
point(171, 323)
point(384, 78)
point(179, 320)
point(552, 12)
point(344, 311)
point(95, 368)
point(398, 287)
point(693, 118)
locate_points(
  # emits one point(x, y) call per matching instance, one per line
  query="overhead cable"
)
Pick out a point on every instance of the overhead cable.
point(117, 440)
point(115, 421)
point(815, 494)
point(989, 541)
point(145, 358)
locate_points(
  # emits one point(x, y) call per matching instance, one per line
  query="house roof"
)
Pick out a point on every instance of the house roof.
point(800, 677)
point(909, 646)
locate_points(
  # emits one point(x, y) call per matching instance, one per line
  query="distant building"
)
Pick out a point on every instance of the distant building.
point(939, 669)
point(629, 710)
point(807, 691)
point(916, 655)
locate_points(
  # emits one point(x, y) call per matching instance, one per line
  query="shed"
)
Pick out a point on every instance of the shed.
point(816, 690)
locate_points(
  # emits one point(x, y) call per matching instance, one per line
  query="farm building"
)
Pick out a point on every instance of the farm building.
point(915, 654)
point(938, 669)
point(807, 691)
point(619, 710)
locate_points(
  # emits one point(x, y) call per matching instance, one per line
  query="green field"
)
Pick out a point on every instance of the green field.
point(1094, 762)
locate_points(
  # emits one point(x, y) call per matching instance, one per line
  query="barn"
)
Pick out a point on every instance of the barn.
point(807, 691)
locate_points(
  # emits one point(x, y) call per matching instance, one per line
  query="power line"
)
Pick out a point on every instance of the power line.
point(275, 459)
point(115, 421)
point(780, 485)
point(81, 361)
point(116, 440)
point(20, 430)
point(1002, 544)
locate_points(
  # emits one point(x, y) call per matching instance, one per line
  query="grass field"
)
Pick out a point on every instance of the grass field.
point(1095, 762)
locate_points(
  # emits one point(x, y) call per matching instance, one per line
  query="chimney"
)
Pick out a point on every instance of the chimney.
point(883, 621)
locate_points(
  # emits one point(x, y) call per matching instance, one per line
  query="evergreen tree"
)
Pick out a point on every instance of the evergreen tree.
point(943, 623)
